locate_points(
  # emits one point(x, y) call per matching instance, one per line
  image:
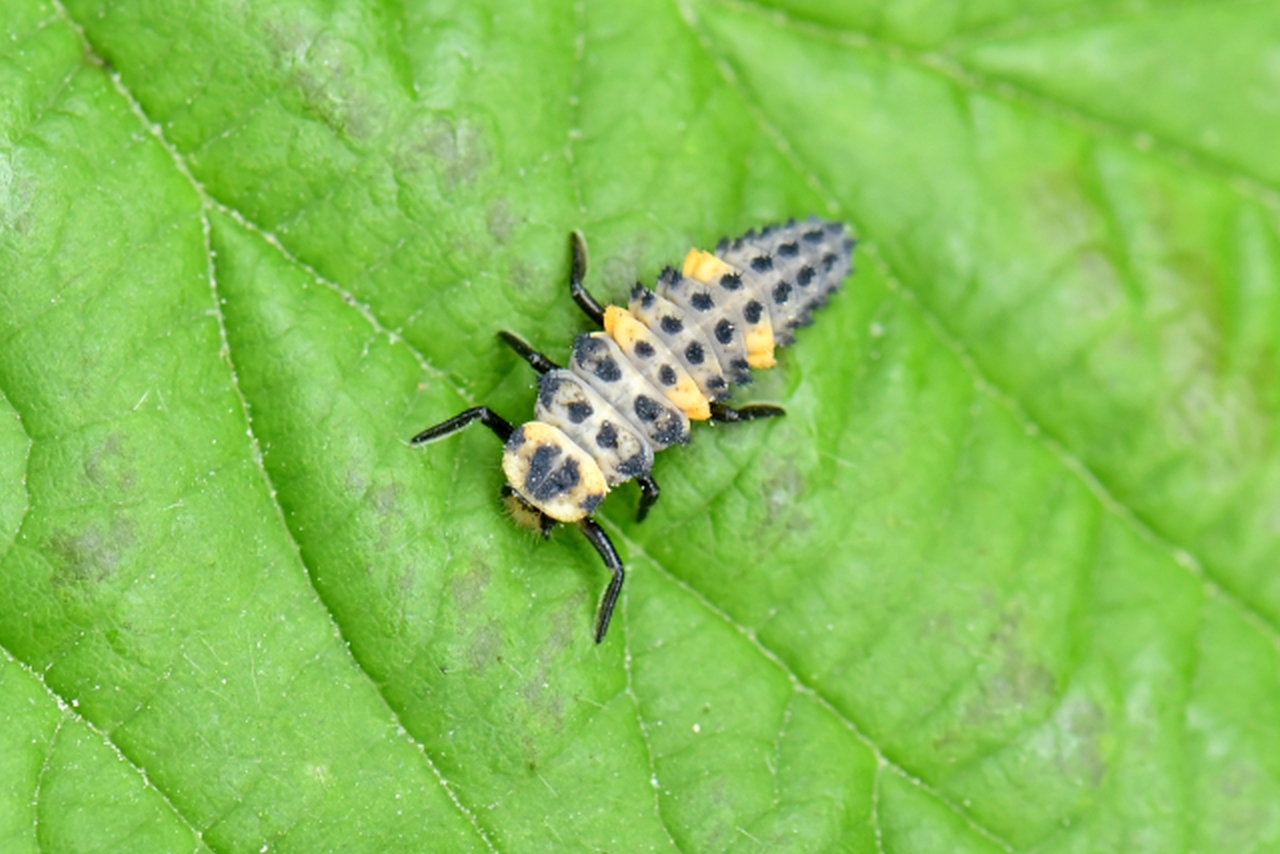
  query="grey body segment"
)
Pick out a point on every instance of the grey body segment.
point(599, 361)
point(794, 267)
point(567, 402)
point(684, 337)
point(721, 326)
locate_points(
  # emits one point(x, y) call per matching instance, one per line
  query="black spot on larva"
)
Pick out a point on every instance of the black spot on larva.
point(591, 502)
point(716, 383)
point(667, 375)
point(768, 229)
point(608, 436)
point(762, 263)
point(789, 250)
point(730, 281)
point(579, 412)
point(829, 261)
point(740, 365)
point(668, 276)
point(702, 302)
point(544, 480)
point(721, 245)
point(835, 227)
point(516, 439)
point(781, 292)
point(805, 276)
point(814, 236)
point(752, 312)
point(647, 298)
point(670, 432)
point(547, 388)
point(633, 466)
point(672, 325)
point(724, 332)
point(647, 409)
point(644, 349)
point(847, 244)
point(694, 353)
point(560, 481)
point(608, 370)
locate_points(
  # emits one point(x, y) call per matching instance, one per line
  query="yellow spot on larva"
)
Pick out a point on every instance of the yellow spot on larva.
point(760, 344)
point(705, 267)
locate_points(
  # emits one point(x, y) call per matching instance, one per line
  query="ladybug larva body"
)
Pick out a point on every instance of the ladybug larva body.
point(670, 357)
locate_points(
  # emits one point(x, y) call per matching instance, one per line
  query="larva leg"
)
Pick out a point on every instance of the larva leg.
point(649, 493)
point(578, 272)
point(536, 360)
point(483, 414)
point(750, 412)
point(598, 538)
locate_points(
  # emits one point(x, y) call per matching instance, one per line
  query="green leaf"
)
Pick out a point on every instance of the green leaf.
point(1002, 580)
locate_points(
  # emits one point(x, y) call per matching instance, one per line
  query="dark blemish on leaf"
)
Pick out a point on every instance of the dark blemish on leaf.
point(484, 647)
point(110, 465)
point(91, 555)
point(468, 588)
point(459, 151)
point(499, 221)
point(386, 499)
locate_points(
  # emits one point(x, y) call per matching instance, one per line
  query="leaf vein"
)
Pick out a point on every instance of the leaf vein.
point(802, 687)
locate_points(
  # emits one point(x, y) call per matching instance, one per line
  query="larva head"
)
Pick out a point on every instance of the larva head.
point(551, 473)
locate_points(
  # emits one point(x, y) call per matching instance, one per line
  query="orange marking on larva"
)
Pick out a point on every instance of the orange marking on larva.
point(760, 344)
point(705, 267)
point(611, 315)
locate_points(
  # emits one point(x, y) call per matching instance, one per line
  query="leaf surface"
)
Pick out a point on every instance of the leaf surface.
point(1000, 581)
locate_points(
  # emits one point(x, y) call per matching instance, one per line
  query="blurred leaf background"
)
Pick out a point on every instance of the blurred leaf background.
point(1004, 579)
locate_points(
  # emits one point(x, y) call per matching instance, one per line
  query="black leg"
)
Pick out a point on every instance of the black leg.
point(649, 493)
point(539, 362)
point(750, 412)
point(484, 414)
point(598, 538)
point(578, 272)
